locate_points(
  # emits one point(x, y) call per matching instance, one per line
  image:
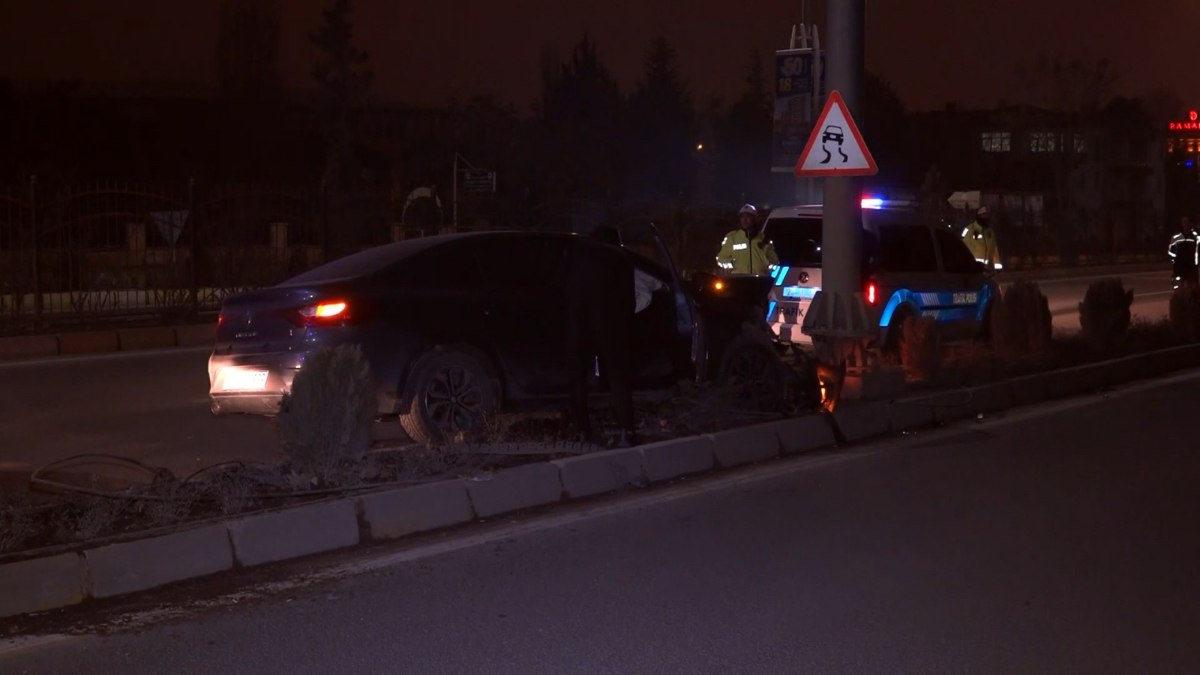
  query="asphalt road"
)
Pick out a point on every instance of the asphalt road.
point(1057, 540)
point(153, 406)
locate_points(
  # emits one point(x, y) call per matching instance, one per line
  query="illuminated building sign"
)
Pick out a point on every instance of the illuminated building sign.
point(1191, 125)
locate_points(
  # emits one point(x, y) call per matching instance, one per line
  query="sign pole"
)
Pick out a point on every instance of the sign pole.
point(838, 319)
point(454, 195)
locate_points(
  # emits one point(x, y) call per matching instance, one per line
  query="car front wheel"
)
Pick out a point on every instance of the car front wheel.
point(452, 397)
point(754, 370)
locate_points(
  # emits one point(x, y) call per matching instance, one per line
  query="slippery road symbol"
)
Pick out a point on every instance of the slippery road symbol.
point(833, 133)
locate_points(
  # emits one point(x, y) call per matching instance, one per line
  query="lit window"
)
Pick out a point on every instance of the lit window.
point(1080, 144)
point(1043, 141)
point(996, 141)
point(1171, 145)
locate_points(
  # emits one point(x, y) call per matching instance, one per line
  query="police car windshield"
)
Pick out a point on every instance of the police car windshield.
point(797, 240)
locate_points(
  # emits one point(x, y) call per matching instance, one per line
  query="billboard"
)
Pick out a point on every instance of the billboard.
point(795, 106)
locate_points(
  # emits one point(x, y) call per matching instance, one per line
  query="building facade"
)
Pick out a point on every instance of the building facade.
point(1071, 184)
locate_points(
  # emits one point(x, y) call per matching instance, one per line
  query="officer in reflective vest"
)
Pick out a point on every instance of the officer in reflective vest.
point(1184, 253)
point(744, 250)
point(980, 238)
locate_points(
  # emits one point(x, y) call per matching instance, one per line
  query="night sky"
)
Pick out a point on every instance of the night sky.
point(425, 51)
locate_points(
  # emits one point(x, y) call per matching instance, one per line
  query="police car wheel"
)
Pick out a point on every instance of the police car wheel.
point(452, 397)
point(754, 370)
point(895, 332)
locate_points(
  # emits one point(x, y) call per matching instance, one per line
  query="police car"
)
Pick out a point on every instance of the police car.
point(911, 267)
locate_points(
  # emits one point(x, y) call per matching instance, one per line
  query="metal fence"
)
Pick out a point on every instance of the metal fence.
point(109, 251)
point(104, 250)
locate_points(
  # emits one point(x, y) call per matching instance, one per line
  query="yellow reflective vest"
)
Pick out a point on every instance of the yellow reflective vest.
point(741, 254)
point(982, 243)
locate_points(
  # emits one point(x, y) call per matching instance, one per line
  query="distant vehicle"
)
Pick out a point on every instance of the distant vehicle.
point(909, 268)
point(833, 133)
point(456, 327)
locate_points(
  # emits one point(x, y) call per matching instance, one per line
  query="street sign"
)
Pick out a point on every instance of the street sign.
point(835, 147)
point(479, 180)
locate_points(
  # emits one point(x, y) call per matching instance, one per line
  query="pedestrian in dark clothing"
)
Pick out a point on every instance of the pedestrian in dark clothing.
point(598, 280)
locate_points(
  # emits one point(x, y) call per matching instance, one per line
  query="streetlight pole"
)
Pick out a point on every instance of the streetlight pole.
point(838, 319)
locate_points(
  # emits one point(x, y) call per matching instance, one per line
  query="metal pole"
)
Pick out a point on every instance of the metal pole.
point(195, 246)
point(838, 315)
point(37, 274)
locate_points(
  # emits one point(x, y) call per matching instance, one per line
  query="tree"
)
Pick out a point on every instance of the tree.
point(1073, 92)
point(744, 141)
point(248, 50)
point(664, 127)
point(247, 58)
point(343, 76)
point(887, 132)
point(581, 122)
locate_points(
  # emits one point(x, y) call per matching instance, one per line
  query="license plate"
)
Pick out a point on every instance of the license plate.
point(242, 379)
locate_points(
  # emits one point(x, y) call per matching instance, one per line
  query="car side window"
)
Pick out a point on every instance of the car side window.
point(441, 267)
point(956, 257)
point(519, 263)
point(907, 249)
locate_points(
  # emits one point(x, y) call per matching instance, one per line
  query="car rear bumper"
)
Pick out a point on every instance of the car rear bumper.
point(251, 383)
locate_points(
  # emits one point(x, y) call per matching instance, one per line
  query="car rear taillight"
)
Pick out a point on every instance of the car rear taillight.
point(331, 312)
point(872, 293)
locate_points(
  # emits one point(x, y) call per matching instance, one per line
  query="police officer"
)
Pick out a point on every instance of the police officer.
point(744, 250)
point(598, 279)
point(1184, 253)
point(980, 238)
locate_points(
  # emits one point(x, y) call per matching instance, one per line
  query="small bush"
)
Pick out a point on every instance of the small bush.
point(1104, 314)
point(325, 422)
point(919, 348)
point(1021, 321)
point(1185, 313)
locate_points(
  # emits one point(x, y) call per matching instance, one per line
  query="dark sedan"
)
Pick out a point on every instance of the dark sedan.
point(458, 326)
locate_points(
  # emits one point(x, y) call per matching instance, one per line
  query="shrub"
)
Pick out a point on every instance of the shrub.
point(919, 347)
point(1104, 314)
point(325, 422)
point(1021, 321)
point(1185, 313)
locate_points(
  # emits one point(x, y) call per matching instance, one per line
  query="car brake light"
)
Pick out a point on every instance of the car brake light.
point(871, 293)
point(325, 312)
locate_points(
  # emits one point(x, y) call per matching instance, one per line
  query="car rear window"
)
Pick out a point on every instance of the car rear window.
point(364, 263)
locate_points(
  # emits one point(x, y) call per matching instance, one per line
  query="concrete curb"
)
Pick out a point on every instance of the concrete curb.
point(396, 513)
point(133, 339)
point(146, 563)
point(514, 489)
point(105, 342)
point(65, 579)
point(88, 343)
point(41, 583)
point(28, 347)
point(746, 445)
point(678, 457)
point(601, 472)
point(802, 434)
point(294, 532)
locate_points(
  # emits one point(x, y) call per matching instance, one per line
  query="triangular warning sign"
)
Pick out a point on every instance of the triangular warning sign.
point(835, 147)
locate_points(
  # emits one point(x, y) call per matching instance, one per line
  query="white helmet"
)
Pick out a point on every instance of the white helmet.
point(748, 208)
